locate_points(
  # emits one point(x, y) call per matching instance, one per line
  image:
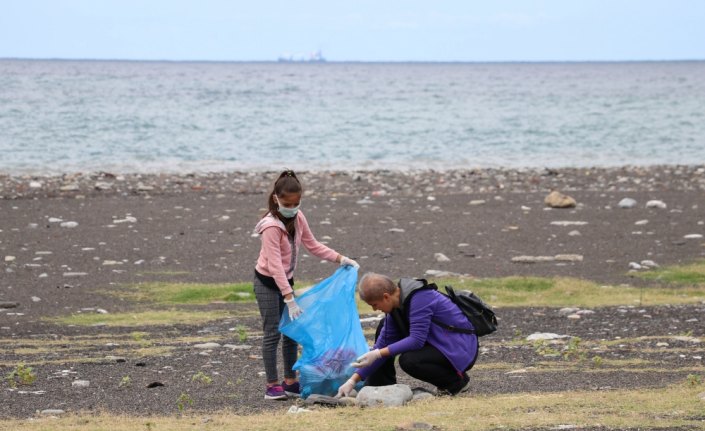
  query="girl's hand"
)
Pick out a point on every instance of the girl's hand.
point(294, 310)
point(346, 261)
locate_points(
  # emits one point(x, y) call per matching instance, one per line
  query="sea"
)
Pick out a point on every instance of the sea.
point(65, 116)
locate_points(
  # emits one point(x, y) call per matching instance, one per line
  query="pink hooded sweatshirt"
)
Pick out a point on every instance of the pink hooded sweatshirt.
point(275, 255)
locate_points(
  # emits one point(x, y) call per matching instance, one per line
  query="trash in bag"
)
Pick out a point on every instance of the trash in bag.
point(329, 332)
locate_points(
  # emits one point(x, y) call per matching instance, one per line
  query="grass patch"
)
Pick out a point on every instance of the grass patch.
point(692, 274)
point(677, 406)
point(190, 293)
point(565, 292)
point(142, 318)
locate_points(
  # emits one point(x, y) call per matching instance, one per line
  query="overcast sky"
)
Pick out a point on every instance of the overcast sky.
point(365, 30)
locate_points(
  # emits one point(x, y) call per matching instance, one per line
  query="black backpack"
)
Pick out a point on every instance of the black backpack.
point(481, 315)
point(474, 308)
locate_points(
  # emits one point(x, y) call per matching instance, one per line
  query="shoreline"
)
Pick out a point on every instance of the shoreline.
point(375, 182)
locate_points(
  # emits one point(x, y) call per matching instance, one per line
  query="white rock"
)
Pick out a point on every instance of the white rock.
point(574, 233)
point(52, 412)
point(237, 346)
point(661, 344)
point(525, 208)
point(54, 220)
point(397, 230)
point(36, 299)
point(10, 258)
point(573, 316)
point(80, 383)
point(70, 188)
point(567, 311)
point(649, 264)
point(101, 311)
point(102, 185)
point(568, 223)
point(440, 257)
point(384, 396)
point(634, 265)
point(545, 336)
point(585, 312)
point(533, 259)
point(206, 346)
point(111, 262)
point(655, 204)
point(75, 274)
point(128, 219)
point(35, 185)
point(569, 257)
point(627, 203)
point(641, 222)
point(69, 224)
point(693, 236)
point(477, 202)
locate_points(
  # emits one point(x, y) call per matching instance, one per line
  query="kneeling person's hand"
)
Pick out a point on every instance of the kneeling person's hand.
point(367, 359)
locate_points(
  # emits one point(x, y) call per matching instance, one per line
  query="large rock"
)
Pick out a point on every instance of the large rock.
point(556, 199)
point(384, 396)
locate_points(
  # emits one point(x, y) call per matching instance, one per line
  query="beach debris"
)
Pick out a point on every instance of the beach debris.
point(36, 299)
point(440, 257)
point(563, 312)
point(127, 219)
point(556, 199)
point(296, 410)
point(649, 264)
point(74, 274)
point(574, 233)
point(396, 230)
point(634, 265)
point(568, 223)
point(69, 224)
point(102, 185)
point(35, 185)
point(9, 258)
point(641, 222)
point(478, 202)
point(693, 236)
point(9, 304)
point(384, 396)
point(627, 203)
point(54, 220)
point(569, 257)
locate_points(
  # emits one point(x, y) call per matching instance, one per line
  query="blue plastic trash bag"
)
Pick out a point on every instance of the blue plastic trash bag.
point(329, 332)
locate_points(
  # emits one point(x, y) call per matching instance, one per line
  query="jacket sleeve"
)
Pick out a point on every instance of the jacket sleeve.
point(420, 314)
point(312, 245)
point(388, 334)
point(271, 238)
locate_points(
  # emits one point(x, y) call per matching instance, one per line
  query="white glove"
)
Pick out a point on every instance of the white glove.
point(294, 310)
point(367, 359)
point(345, 389)
point(346, 261)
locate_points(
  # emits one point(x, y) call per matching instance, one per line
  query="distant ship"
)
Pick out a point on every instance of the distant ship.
point(314, 57)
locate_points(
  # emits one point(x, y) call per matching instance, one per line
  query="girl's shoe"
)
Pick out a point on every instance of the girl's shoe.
point(275, 392)
point(292, 390)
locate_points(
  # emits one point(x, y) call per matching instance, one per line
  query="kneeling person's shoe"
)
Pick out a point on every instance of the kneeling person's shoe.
point(461, 386)
point(292, 390)
point(275, 392)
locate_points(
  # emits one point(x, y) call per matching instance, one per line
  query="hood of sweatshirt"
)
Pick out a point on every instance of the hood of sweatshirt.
point(268, 221)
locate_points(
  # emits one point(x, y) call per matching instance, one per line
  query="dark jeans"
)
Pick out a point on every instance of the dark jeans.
point(427, 364)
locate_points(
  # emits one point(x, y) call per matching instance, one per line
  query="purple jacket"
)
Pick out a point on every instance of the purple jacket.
point(427, 304)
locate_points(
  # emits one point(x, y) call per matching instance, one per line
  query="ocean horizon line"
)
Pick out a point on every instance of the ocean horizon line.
point(440, 62)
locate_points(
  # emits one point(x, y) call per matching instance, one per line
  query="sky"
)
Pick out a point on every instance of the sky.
point(364, 30)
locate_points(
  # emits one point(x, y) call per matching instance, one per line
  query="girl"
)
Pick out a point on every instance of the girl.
point(282, 230)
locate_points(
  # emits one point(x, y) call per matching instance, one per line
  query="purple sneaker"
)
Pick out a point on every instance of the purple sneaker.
point(292, 390)
point(275, 392)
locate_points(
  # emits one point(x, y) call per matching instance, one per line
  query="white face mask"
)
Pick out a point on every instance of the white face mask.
point(287, 212)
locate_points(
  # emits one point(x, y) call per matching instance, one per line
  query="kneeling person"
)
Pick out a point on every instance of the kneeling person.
point(427, 351)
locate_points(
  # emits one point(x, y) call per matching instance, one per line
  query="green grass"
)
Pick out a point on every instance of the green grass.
point(689, 275)
point(570, 292)
point(190, 293)
point(142, 318)
point(673, 407)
